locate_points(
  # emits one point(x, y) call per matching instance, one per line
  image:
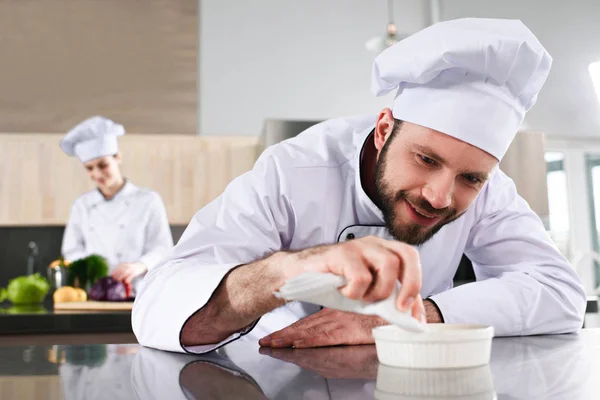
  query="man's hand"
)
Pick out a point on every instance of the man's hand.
point(325, 328)
point(127, 272)
point(372, 266)
point(342, 362)
point(331, 328)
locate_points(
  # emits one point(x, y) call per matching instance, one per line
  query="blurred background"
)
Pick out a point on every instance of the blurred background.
point(202, 86)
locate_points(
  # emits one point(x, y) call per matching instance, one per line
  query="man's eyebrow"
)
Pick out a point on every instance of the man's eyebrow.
point(482, 176)
point(428, 152)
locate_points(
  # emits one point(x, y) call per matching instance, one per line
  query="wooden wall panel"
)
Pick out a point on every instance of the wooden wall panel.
point(129, 60)
point(38, 182)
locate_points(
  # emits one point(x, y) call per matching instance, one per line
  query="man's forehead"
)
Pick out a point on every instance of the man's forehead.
point(423, 135)
point(446, 148)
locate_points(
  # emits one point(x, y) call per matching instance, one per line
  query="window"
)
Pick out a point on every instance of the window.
point(558, 203)
point(593, 169)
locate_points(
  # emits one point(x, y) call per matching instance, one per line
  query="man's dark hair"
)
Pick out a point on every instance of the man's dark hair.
point(397, 125)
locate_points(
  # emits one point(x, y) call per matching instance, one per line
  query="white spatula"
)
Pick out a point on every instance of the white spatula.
point(323, 289)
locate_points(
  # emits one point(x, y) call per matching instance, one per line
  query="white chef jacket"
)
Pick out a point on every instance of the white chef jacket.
point(131, 227)
point(306, 191)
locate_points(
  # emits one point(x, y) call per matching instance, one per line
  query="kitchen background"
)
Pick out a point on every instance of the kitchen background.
point(202, 87)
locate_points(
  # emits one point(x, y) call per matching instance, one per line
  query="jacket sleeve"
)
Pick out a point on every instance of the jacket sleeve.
point(249, 221)
point(158, 233)
point(524, 285)
point(73, 244)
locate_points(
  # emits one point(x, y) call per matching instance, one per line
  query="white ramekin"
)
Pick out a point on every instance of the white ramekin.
point(441, 346)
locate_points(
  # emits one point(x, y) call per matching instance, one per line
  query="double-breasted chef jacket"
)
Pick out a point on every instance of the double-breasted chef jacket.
point(306, 191)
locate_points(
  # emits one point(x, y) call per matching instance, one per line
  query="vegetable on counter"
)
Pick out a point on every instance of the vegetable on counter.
point(68, 294)
point(110, 289)
point(30, 289)
point(61, 262)
point(86, 271)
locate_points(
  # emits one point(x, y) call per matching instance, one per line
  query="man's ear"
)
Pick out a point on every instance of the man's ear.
point(384, 128)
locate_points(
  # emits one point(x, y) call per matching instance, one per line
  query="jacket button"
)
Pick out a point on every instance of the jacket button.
point(119, 255)
point(350, 236)
point(91, 229)
point(121, 226)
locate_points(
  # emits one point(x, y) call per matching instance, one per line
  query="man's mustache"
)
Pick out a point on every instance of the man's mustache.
point(423, 205)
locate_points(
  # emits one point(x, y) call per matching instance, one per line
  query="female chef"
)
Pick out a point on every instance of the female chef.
point(124, 223)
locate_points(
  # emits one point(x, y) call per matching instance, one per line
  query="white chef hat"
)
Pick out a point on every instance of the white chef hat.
point(93, 138)
point(473, 79)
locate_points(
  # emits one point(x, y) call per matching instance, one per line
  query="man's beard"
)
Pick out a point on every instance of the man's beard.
point(410, 233)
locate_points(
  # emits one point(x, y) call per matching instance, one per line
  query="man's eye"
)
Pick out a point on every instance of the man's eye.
point(471, 178)
point(427, 160)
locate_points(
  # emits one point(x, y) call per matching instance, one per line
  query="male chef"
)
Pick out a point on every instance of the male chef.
point(398, 196)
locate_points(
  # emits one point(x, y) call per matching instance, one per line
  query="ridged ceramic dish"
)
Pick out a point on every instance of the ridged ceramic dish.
point(441, 346)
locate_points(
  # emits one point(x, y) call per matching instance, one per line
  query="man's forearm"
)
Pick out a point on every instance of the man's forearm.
point(242, 297)
point(432, 312)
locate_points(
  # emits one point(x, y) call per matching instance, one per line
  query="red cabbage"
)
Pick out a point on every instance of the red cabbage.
point(109, 289)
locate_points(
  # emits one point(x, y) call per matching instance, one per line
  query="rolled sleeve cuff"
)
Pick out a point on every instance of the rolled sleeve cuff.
point(489, 302)
point(205, 348)
point(170, 295)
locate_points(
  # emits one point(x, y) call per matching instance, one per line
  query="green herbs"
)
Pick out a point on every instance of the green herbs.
point(86, 271)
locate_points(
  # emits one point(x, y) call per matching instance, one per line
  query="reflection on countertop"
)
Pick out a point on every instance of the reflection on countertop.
point(540, 367)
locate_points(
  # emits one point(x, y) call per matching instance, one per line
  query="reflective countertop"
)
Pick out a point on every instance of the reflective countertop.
point(541, 367)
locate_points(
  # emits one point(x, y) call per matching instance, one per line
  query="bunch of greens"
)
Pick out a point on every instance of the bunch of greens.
point(86, 271)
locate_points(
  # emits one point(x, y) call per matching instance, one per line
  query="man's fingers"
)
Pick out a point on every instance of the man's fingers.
point(295, 334)
point(358, 276)
point(386, 265)
point(326, 337)
point(309, 322)
point(409, 273)
point(289, 333)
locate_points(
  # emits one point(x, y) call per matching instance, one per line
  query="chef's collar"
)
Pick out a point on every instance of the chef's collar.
point(127, 190)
